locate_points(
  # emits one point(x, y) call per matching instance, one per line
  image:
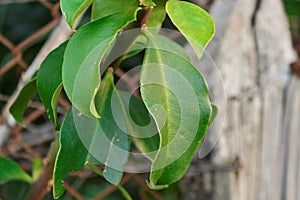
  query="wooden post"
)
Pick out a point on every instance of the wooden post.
point(260, 139)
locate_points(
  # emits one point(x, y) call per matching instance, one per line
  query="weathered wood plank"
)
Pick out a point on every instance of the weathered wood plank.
point(253, 50)
point(291, 129)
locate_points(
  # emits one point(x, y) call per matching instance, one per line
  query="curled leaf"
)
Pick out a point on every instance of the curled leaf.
point(72, 9)
point(81, 72)
point(197, 26)
point(19, 106)
point(49, 82)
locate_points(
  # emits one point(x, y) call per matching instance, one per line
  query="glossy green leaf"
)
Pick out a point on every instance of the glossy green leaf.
point(72, 9)
point(103, 8)
point(11, 171)
point(81, 73)
point(49, 82)
point(140, 115)
point(170, 84)
point(147, 3)
point(98, 140)
point(122, 115)
point(71, 155)
point(193, 22)
point(158, 14)
point(115, 151)
point(19, 106)
point(132, 118)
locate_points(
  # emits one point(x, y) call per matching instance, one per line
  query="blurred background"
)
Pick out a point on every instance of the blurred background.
point(257, 53)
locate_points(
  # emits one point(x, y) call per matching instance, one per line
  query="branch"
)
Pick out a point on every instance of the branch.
point(146, 16)
point(42, 186)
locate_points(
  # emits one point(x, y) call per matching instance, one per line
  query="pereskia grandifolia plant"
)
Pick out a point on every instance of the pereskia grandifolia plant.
point(169, 113)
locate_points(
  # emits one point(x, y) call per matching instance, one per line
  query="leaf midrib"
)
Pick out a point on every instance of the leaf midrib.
point(160, 61)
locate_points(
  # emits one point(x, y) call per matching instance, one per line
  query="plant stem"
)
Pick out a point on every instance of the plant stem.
point(123, 191)
point(146, 16)
point(41, 186)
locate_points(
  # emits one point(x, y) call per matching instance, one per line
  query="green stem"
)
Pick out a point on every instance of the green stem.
point(123, 191)
point(95, 169)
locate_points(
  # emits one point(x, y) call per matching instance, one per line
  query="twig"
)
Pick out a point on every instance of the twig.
point(73, 192)
point(59, 35)
point(42, 185)
point(6, 42)
point(17, 130)
point(146, 16)
point(110, 189)
point(64, 103)
point(143, 183)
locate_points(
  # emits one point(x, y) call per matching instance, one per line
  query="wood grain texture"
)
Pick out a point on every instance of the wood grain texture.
point(291, 131)
point(252, 49)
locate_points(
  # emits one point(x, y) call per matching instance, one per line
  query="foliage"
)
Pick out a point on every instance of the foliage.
point(100, 126)
point(292, 9)
point(12, 172)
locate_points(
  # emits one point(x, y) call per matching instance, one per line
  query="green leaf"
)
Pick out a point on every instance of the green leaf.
point(71, 155)
point(140, 115)
point(19, 106)
point(103, 8)
point(49, 82)
point(11, 171)
point(158, 14)
point(122, 115)
point(36, 168)
point(197, 26)
point(147, 3)
point(292, 7)
point(72, 9)
point(132, 118)
point(81, 73)
point(175, 93)
point(115, 151)
point(97, 140)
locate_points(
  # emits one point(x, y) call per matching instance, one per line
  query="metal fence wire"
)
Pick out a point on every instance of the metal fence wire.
point(17, 50)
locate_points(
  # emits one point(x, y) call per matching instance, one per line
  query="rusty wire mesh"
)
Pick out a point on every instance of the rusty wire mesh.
point(17, 49)
point(17, 60)
point(25, 149)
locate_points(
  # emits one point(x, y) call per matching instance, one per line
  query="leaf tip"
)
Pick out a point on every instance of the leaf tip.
point(16, 118)
point(58, 189)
